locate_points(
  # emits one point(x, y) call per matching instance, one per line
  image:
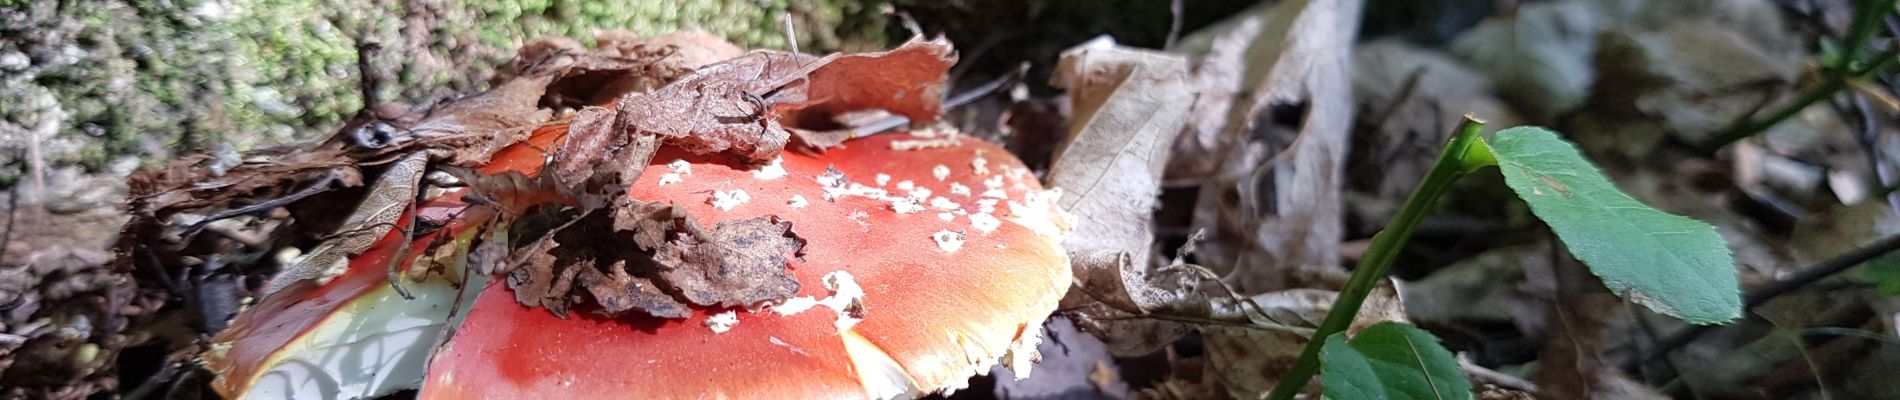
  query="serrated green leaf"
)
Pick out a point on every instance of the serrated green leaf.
point(1674, 265)
point(1390, 361)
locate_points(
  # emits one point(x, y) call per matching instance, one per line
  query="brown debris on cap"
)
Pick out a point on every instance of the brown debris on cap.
point(738, 264)
point(880, 312)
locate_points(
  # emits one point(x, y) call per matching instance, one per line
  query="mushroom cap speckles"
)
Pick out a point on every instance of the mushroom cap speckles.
point(770, 171)
point(923, 329)
point(948, 241)
point(726, 200)
point(670, 178)
point(940, 172)
point(943, 203)
point(722, 322)
point(984, 222)
point(959, 189)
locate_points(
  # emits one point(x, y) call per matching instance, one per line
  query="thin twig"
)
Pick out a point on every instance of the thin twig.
point(791, 35)
point(396, 261)
point(13, 210)
point(320, 186)
point(1761, 295)
point(1870, 14)
point(1178, 10)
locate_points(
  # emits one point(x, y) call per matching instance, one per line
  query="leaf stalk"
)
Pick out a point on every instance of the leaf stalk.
point(1465, 153)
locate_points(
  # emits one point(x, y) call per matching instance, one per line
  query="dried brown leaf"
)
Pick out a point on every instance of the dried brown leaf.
point(583, 261)
point(719, 108)
point(737, 263)
point(652, 258)
point(617, 292)
point(598, 162)
point(377, 213)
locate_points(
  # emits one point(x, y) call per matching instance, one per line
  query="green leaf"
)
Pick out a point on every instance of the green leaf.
point(1884, 272)
point(1390, 361)
point(1674, 265)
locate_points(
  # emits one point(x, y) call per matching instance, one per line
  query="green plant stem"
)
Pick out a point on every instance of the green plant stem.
point(1465, 153)
point(1844, 69)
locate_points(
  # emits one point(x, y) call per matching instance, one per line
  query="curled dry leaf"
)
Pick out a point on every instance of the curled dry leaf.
point(1129, 106)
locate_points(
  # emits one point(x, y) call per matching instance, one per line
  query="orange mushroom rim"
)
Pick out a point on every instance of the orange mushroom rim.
point(930, 258)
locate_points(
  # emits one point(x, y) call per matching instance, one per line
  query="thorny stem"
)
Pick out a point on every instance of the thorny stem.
point(1465, 153)
point(1839, 73)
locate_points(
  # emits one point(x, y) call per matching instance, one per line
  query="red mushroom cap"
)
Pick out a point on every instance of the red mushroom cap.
point(958, 260)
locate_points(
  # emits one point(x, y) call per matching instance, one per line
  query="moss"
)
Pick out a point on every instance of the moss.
point(184, 75)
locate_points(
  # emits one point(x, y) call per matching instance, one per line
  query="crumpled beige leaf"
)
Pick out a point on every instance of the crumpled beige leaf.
point(1128, 107)
point(1272, 205)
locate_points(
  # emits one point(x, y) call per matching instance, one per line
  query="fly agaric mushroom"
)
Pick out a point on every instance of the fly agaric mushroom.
point(897, 299)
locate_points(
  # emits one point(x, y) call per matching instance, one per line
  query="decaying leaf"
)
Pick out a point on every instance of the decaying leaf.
point(1128, 107)
point(391, 196)
point(652, 258)
point(1272, 204)
point(737, 263)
